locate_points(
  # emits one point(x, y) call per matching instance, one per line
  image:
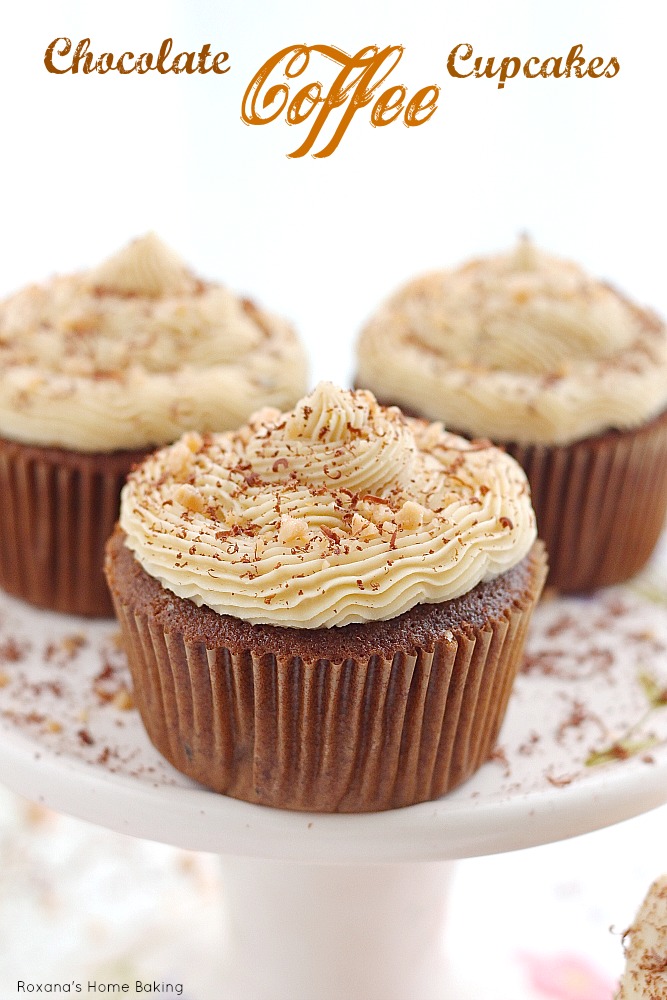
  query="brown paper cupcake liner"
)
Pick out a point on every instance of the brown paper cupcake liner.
point(59, 508)
point(294, 728)
point(600, 503)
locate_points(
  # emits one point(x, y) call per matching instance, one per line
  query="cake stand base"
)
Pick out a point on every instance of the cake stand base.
point(334, 932)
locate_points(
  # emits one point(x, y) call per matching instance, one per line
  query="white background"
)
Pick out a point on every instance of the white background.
point(90, 161)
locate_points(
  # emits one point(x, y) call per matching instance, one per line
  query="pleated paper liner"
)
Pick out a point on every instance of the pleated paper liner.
point(600, 503)
point(58, 509)
point(301, 726)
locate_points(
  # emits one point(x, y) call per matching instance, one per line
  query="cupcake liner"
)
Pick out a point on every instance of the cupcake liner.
point(357, 735)
point(600, 503)
point(59, 508)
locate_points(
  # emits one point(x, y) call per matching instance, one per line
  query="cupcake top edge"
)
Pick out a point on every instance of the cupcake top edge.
point(521, 346)
point(135, 351)
point(337, 511)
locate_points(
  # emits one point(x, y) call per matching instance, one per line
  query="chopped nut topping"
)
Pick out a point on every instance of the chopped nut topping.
point(410, 516)
point(293, 531)
point(179, 461)
point(190, 498)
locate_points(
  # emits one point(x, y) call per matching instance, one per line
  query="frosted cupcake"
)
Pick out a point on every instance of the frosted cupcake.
point(98, 368)
point(326, 609)
point(564, 372)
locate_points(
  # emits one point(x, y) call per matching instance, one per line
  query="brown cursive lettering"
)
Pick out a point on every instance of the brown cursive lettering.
point(356, 86)
point(323, 87)
point(460, 64)
point(85, 61)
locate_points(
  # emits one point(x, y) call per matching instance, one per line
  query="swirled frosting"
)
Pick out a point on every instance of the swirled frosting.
point(519, 347)
point(338, 511)
point(136, 351)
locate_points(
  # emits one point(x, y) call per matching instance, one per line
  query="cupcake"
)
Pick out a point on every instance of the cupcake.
point(562, 371)
point(645, 975)
point(326, 609)
point(97, 369)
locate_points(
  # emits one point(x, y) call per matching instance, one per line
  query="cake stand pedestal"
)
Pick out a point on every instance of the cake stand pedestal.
point(350, 907)
point(334, 932)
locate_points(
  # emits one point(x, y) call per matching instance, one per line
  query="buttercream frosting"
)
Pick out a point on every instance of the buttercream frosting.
point(338, 511)
point(134, 352)
point(521, 346)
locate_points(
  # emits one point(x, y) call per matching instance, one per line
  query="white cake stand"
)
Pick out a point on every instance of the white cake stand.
point(332, 907)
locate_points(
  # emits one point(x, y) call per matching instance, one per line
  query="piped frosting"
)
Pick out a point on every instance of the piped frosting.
point(136, 351)
point(521, 347)
point(337, 511)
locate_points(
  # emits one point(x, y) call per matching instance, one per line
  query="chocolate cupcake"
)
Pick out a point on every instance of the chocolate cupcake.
point(325, 610)
point(96, 370)
point(562, 371)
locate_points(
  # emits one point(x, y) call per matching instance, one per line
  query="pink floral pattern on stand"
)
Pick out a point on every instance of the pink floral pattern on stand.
point(566, 977)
